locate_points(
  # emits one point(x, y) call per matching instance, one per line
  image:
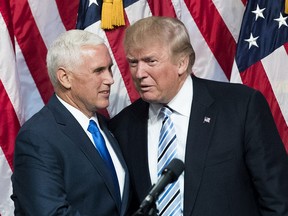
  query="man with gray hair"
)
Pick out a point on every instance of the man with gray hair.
point(66, 161)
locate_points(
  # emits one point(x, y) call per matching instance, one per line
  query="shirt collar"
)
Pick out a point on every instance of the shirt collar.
point(181, 103)
point(82, 119)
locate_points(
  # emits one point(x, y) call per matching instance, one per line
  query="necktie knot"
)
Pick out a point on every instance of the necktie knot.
point(93, 128)
point(165, 112)
point(99, 141)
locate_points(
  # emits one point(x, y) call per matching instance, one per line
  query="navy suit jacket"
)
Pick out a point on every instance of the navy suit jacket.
point(58, 171)
point(235, 161)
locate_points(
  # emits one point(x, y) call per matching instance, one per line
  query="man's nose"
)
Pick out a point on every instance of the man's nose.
point(141, 70)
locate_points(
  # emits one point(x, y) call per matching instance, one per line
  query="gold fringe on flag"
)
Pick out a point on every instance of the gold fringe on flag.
point(286, 6)
point(112, 14)
point(118, 13)
point(106, 15)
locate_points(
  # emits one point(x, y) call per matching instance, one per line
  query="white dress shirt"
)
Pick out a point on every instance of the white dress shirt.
point(84, 122)
point(181, 106)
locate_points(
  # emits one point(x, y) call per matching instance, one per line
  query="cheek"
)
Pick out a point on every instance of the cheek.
point(168, 80)
point(88, 89)
point(93, 82)
point(133, 72)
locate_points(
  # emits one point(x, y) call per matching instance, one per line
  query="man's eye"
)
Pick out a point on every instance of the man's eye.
point(133, 63)
point(98, 70)
point(152, 62)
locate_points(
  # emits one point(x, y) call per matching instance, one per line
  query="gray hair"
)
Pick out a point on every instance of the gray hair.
point(65, 51)
point(167, 30)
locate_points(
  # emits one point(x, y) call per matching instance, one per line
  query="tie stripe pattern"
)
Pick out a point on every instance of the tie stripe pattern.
point(169, 202)
point(104, 153)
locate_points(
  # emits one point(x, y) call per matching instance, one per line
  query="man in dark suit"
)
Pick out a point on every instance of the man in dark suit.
point(58, 169)
point(235, 161)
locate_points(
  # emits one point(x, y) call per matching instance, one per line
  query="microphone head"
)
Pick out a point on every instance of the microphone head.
point(175, 168)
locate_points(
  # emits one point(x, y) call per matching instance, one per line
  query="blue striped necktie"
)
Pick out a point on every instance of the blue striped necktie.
point(104, 153)
point(169, 202)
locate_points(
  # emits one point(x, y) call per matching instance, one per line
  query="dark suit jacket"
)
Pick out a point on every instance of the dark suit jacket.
point(235, 163)
point(58, 171)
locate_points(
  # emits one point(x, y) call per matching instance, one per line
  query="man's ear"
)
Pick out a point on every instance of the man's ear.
point(183, 64)
point(63, 77)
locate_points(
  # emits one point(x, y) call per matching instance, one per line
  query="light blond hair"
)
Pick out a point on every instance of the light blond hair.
point(166, 30)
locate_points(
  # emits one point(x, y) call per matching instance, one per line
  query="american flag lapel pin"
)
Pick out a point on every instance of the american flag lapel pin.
point(206, 119)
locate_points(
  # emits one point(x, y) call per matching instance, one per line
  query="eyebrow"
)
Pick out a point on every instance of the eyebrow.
point(148, 58)
point(132, 59)
point(103, 67)
point(145, 59)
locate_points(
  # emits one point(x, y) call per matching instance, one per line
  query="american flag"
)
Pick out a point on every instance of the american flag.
point(254, 54)
point(261, 56)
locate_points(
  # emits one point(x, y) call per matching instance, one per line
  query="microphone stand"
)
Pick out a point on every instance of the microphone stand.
point(169, 175)
point(147, 210)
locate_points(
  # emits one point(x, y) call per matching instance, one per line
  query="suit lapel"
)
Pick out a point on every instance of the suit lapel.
point(117, 151)
point(139, 149)
point(201, 124)
point(74, 131)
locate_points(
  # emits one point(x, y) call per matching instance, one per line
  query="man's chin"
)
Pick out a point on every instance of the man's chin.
point(149, 98)
point(103, 105)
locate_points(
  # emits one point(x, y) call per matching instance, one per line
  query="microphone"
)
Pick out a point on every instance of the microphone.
point(169, 175)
